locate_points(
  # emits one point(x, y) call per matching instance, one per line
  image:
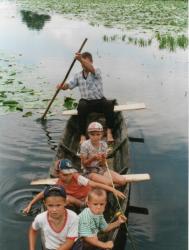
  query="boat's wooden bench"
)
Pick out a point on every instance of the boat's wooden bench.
point(117, 108)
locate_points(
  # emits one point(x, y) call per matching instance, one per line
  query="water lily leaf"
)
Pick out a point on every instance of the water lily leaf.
point(2, 94)
point(70, 103)
point(27, 114)
point(25, 90)
point(10, 103)
point(46, 100)
point(12, 108)
point(9, 81)
point(19, 108)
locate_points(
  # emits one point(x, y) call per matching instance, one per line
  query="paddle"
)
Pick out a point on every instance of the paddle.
point(136, 177)
point(47, 181)
point(129, 178)
point(63, 82)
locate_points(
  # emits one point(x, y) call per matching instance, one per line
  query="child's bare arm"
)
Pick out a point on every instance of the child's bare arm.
point(33, 201)
point(32, 238)
point(121, 219)
point(108, 188)
point(86, 161)
point(94, 241)
point(67, 245)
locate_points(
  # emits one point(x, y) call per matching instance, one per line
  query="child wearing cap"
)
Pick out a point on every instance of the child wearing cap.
point(58, 225)
point(91, 220)
point(93, 157)
point(76, 185)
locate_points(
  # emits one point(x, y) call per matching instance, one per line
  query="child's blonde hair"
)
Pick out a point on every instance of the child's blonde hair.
point(97, 192)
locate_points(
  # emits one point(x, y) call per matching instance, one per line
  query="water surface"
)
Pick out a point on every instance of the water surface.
point(131, 74)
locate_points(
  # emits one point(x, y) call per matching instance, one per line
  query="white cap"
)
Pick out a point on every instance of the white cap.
point(95, 126)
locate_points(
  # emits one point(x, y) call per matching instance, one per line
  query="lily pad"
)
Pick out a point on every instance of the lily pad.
point(9, 81)
point(10, 103)
point(27, 114)
point(70, 103)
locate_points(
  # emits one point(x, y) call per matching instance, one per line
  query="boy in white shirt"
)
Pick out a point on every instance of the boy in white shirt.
point(58, 225)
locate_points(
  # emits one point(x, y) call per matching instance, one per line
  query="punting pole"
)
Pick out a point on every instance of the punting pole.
point(63, 82)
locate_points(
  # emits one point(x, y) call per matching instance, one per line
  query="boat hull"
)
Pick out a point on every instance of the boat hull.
point(118, 161)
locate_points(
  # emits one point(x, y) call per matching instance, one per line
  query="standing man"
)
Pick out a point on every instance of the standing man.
point(89, 81)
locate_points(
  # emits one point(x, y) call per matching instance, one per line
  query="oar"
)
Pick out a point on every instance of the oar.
point(129, 178)
point(136, 177)
point(63, 82)
point(47, 181)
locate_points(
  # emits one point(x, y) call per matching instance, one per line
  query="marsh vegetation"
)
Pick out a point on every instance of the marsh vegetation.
point(141, 23)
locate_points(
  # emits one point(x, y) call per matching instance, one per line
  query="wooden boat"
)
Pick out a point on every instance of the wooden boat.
point(118, 160)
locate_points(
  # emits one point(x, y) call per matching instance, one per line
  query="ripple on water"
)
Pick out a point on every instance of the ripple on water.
point(13, 202)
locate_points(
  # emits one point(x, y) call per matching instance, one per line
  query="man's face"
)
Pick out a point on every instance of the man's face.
point(55, 206)
point(97, 204)
point(87, 60)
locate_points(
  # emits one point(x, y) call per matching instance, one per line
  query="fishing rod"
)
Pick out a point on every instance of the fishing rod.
point(120, 212)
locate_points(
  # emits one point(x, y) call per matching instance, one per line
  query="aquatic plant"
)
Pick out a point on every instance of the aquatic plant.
point(166, 41)
point(144, 14)
point(165, 17)
point(182, 41)
point(171, 42)
point(70, 103)
point(16, 93)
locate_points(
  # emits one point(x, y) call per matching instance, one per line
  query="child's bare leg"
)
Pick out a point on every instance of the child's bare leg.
point(70, 200)
point(109, 135)
point(82, 139)
point(117, 178)
point(100, 178)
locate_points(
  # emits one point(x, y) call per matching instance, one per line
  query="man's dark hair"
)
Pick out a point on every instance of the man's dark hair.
point(87, 55)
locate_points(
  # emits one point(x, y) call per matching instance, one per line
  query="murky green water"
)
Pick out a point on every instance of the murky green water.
point(36, 50)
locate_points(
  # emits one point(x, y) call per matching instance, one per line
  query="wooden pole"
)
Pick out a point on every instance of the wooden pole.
point(62, 84)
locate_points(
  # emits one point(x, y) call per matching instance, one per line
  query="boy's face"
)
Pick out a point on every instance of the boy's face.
point(65, 177)
point(55, 206)
point(97, 204)
point(95, 136)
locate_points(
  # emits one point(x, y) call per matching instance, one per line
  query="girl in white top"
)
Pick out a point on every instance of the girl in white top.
point(93, 157)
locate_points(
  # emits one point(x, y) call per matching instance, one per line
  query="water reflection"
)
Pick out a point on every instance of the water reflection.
point(52, 132)
point(33, 20)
